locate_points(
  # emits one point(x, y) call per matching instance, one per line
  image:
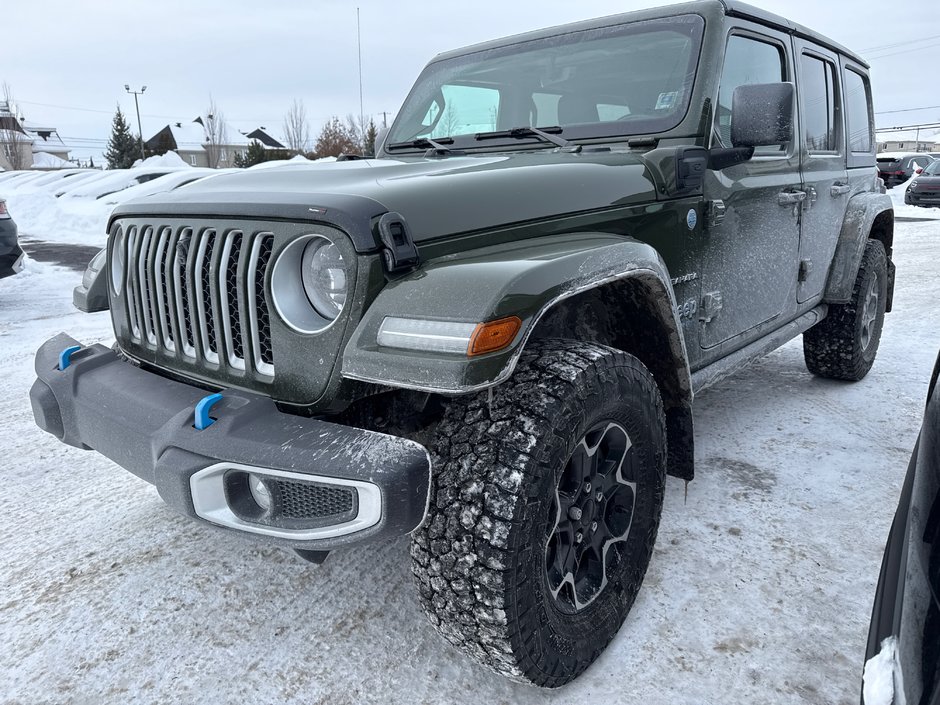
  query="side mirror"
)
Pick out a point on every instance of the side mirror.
point(762, 114)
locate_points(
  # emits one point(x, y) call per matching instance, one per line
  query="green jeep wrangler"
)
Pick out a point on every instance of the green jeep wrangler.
point(489, 336)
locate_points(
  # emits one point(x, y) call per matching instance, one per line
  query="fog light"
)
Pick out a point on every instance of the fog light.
point(259, 491)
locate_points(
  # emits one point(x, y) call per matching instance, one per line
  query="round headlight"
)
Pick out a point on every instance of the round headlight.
point(117, 260)
point(324, 277)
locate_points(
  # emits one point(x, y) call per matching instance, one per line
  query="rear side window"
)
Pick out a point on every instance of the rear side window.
point(747, 61)
point(820, 104)
point(857, 115)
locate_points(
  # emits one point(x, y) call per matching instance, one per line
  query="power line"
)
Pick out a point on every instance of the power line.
point(900, 44)
point(908, 110)
point(903, 51)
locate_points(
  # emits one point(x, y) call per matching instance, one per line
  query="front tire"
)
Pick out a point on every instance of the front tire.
point(844, 344)
point(545, 504)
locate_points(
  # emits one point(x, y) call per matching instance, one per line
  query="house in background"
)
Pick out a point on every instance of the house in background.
point(28, 145)
point(911, 141)
point(190, 140)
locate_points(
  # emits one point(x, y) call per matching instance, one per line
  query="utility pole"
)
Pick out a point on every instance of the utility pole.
point(385, 119)
point(362, 125)
point(140, 130)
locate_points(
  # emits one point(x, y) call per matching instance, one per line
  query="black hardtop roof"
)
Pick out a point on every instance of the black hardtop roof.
point(731, 8)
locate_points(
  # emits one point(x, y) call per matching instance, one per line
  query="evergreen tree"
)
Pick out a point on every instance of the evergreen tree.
point(371, 134)
point(91, 162)
point(255, 155)
point(123, 147)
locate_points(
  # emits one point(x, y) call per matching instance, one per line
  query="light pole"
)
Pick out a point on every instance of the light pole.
point(140, 130)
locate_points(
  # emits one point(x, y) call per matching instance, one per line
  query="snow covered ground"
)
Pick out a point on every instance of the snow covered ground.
point(759, 591)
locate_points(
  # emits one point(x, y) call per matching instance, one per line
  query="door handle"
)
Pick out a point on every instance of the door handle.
point(790, 198)
point(839, 189)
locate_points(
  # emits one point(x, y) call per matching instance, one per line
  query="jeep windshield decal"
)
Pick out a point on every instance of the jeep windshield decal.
point(618, 81)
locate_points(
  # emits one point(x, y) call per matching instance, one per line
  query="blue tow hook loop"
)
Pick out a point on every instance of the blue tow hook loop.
point(203, 421)
point(65, 357)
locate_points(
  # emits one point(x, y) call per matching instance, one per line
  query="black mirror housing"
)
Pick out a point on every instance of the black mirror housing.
point(762, 114)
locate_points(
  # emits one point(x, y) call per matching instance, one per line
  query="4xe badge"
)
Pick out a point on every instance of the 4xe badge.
point(691, 219)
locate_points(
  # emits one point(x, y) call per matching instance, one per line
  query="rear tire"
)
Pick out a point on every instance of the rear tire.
point(844, 344)
point(573, 444)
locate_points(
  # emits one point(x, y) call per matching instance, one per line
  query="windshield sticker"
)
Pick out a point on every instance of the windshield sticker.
point(667, 101)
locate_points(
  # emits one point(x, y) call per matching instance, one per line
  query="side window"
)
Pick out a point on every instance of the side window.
point(820, 104)
point(747, 61)
point(857, 115)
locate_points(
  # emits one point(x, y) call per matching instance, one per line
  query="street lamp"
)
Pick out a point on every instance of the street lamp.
point(140, 130)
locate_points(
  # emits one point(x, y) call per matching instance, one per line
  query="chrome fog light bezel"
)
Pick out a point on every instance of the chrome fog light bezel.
point(210, 502)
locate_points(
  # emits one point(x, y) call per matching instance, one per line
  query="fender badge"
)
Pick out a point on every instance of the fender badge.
point(691, 219)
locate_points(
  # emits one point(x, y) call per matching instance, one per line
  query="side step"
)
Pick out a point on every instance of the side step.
point(717, 371)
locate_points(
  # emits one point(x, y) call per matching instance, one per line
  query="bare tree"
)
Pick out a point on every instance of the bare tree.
point(216, 134)
point(449, 122)
point(335, 139)
point(13, 140)
point(296, 128)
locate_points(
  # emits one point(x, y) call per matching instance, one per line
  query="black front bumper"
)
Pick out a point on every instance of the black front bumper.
point(145, 423)
point(928, 199)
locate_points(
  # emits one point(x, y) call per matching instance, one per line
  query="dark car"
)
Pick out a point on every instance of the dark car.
point(904, 639)
point(925, 189)
point(489, 336)
point(11, 255)
point(895, 169)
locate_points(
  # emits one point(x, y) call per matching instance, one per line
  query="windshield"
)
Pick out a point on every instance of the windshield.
point(932, 169)
point(623, 80)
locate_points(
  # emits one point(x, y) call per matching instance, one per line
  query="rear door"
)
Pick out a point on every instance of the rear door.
point(822, 165)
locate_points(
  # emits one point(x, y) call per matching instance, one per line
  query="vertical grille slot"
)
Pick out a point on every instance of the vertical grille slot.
point(132, 284)
point(205, 319)
point(162, 284)
point(228, 299)
point(258, 317)
point(145, 273)
point(180, 270)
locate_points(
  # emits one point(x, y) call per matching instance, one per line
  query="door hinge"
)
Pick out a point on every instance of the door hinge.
point(715, 213)
point(711, 305)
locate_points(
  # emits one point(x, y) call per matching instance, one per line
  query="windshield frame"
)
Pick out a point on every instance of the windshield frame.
point(692, 23)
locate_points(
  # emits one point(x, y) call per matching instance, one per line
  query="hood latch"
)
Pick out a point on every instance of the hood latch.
point(400, 252)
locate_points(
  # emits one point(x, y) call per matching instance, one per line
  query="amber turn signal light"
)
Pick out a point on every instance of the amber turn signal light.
point(493, 336)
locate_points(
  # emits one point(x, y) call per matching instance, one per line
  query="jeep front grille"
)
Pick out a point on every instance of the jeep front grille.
point(201, 293)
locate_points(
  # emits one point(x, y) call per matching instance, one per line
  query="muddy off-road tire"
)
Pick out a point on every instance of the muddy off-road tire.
point(513, 525)
point(844, 344)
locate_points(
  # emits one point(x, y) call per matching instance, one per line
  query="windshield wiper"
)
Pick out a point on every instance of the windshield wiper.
point(545, 135)
point(423, 143)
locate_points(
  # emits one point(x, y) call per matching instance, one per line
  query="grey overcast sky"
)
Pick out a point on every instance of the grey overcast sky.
point(68, 62)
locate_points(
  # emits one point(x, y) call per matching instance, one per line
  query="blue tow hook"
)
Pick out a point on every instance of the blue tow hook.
point(65, 357)
point(203, 420)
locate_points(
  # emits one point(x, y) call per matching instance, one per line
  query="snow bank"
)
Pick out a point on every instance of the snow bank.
point(44, 160)
point(882, 676)
point(168, 159)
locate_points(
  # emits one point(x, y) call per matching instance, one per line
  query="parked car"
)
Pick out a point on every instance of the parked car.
point(11, 255)
point(895, 169)
point(489, 336)
point(903, 654)
point(924, 189)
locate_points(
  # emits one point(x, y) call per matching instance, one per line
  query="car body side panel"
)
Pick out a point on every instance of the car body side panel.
point(515, 279)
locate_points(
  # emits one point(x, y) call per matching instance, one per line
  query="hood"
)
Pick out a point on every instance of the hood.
point(437, 197)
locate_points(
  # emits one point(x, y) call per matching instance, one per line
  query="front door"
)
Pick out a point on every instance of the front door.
point(825, 179)
point(750, 258)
